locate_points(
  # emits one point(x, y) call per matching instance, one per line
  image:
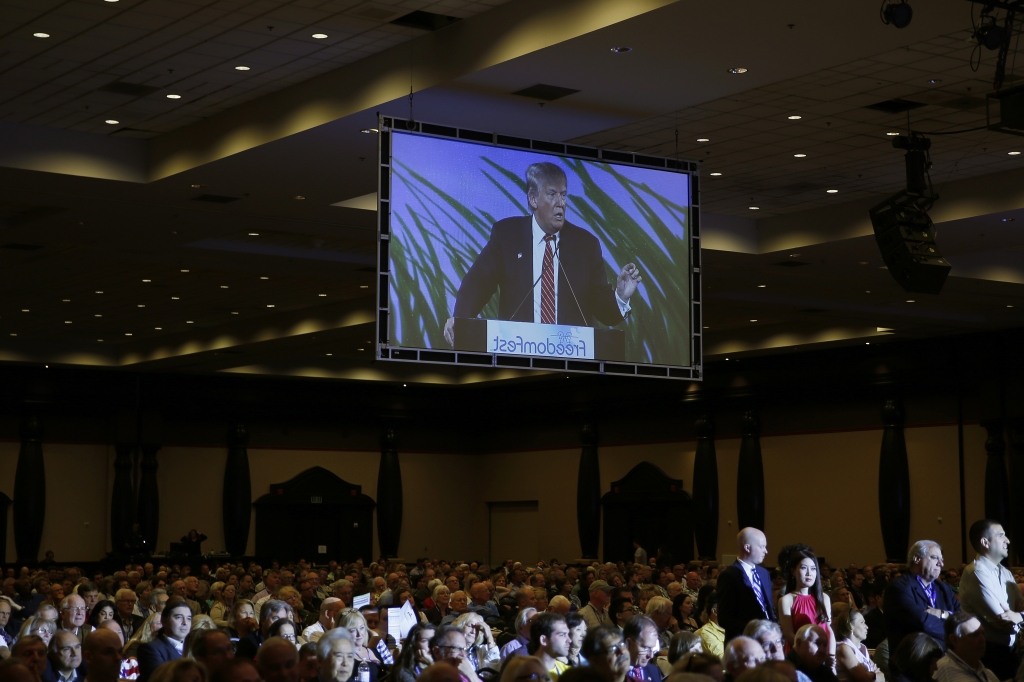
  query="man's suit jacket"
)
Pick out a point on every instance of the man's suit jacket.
point(136, 622)
point(153, 654)
point(737, 603)
point(905, 604)
point(506, 265)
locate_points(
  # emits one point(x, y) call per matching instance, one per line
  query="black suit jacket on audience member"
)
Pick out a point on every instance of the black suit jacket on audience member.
point(248, 646)
point(875, 620)
point(905, 604)
point(506, 265)
point(136, 623)
point(737, 603)
point(154, 654)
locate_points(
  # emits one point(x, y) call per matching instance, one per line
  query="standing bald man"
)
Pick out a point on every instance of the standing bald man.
point(745, 588)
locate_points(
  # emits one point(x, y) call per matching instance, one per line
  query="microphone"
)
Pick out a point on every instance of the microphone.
point(573, 292)
point(558, 246)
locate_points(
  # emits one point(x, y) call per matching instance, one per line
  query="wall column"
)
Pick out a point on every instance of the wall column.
point(705, 490)
point(29, 493)
point(122, 501)
point(750, 477)
point(237, 498)
point(997, 491)
point(5, 502)
point(894, 484)
point(389, 496)
point(588, 494)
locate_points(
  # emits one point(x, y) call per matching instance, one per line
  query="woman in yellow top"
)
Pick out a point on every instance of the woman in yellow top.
point(712, 635)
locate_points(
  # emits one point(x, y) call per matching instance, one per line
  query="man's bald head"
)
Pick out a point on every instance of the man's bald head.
point(751, 545)
point(440, 672)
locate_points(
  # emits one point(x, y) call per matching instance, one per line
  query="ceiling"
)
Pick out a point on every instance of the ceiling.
point(270, 277)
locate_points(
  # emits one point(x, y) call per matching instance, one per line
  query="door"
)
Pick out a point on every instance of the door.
point(514, 532)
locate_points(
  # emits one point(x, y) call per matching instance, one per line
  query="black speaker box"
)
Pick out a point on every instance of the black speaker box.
point(906, 238)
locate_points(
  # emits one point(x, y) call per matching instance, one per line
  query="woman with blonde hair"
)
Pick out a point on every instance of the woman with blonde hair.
point(223, 598)
point(355, 623)
point(442, 599)
point(242, 618)
point(35, 625)
point(146, 632)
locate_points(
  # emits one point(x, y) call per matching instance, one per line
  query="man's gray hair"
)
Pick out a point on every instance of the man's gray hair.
point(325, 643)
point(919, 550)
point(154, 597)
point(340, 583)
point(538, 175)
point(272, 605)
point(524, 617)
point(734, 645)
point(124, 592)
point(759, 628)
point(658, 605)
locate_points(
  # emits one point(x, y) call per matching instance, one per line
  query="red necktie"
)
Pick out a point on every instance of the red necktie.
point(547, 283)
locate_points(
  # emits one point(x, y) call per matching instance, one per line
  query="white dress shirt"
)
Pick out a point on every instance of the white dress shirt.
point(988, 590)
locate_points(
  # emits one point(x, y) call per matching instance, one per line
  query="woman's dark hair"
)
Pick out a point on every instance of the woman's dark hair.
point(278, 624)
point(914, 657)
point(677, 603)
point(680, 645)
point(407, 659)
point(597, 639)
point(572, 619)
point(815, 590)
point(95, 613)
point(702, 598)
point(786, 554)
point(617, 607)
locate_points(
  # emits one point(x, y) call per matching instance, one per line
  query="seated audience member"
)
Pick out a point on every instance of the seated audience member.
point(73, 615)
point(41, 627)
point(272, 611)
point(659, 609)
point(711, 633)
point(482, 651)
point(6, 640)
point(700, 664)
point(65, 653)
point(355, 624)
point(212, 648)
point(449, 646)
point(524, 668)
point(441, 672)
point(874, 615)
point(124, 603)
point(236, 670)
point(965, 645)
point(415, 656)
point(329, 609)
point(440, 610)
point(278, 661)
point(176, 622)
point(182, 670)
point(104, 611)
point(915, 659)
point(285, 629)
point(741, 654)
point(223, 599)
point(810, 654)
point(620, 611)
point(309, 666)
point(682, 643)
point(918, 601)
point(31, 649)
point(336, 654)
point(853, 664)
point(517, 647)
point(242, 620)
point(459, 604)
point(682, 610)
point(147, 632)
point(595, 613)
point(481, 601)
point(804, 602)
point(101, 653)
point(641, 635)
point(561, 605)
point(606, 653)
point(549, 641)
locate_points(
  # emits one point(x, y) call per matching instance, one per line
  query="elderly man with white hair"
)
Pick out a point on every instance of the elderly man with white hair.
point(741, 653)
point(336, 655)
point(659, 609)
point(918, 601)
point(517, 647)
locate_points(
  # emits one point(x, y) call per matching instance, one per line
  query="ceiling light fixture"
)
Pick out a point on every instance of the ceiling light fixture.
point(761, 286)
point(233, 312)
point(147, 280)
point(621, 50)
point(360, 349)
point(892, 134)
point(111, 121)
point(737, 70)
point(270, 305)
point(264, 278)
point(101, 340)
point(184, 270)
point(367, 131)
point(24, 310)
point(69, 321)
point(831, 191)
point(223, 286)
point(174, 298)
point(67, 300)
point(127, 334)
point(1007, 220)
point(1009, 306)
point(1013, 153)
point(254, 234)
point(330, 354)
point(933, 81)
point(364, 286)
point(241, 68)
point(158, 328)
point(754, 208)
point(795, 117)
point(899, 15)
point(319, 36)
point(323, 295)
point(13, 334)
point(299, 197)
point(753, 320)
point(799, 156)
point(703, 139)
point(41, 35)
point(99, 292)
point(716, 175)
point(188, 321)
point(173, 96)
point(910, 300)
point(97, 315)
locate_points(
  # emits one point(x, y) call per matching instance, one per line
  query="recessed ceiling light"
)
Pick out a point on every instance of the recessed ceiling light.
point(174, 298)
point(330, 354)
point(795, 118)
point(97, 315)
point(241, 68)
point(761, 286)
point(158, 328)
point(703, 139)
point(319, 36)
point(867, 292)
point(799, 156)
point(299, 197)
point(831, 191)
point(910, 300)
point(111, 121)
point(254, 234)
point(195, 185)
point(753, 320)
point(67, 300)
point(264, 278)
point(621, 50)
point(127, 334)
point(41, 35)
point(715, 175)
point(794, 255)
point(1013, 153)
point(24, 310)
point(367, 131)
point(99, 292)
point(867, 343)
point(1008, 220)
point(270, 305)
point(933, 81)
point(147, 280)
point(736, 70)
point(233, 312)
point(172, 96)
point(364, 286)
point(184, 270)
point(100, 340)
point(13, 334)
point(223, 286)
point(754, 208)
point(323, 295)
point(360, 349)
point(892, 134)
point(188, 321)
point(69, 321)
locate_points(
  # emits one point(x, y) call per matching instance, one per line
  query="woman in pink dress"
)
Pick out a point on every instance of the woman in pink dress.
point(804, 603)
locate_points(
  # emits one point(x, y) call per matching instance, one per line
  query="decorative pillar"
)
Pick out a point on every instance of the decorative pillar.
point(122, 501)
point(149, 497)
point(997, 490)
point(5, 502)
point(894, 484)
point(588, 494)
point(389, 496)
point(750, 477)
point(29, 493)
point(705, 490)
point(237, 500)
point(1016, 498)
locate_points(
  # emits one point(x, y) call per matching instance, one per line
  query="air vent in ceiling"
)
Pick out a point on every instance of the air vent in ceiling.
point(215, 198)
point(791, 263)
point(131, 89)
point(548, 93)
point(426, 21)
point(14, 246)
point(895, 106)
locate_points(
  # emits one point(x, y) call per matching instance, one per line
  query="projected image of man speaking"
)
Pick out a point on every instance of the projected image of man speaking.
point(546, 269)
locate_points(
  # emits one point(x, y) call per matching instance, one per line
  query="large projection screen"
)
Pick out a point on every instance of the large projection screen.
point(508, 252)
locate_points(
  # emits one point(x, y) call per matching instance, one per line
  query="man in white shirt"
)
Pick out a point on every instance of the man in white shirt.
point(988, 590)
point(965, 642)
point(328, 610)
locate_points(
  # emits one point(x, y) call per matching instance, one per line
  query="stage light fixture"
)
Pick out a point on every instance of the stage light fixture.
point(737, 70)
point(990, 35)
point(898, 14)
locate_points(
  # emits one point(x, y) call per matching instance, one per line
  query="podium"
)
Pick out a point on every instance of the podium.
point(471, 334)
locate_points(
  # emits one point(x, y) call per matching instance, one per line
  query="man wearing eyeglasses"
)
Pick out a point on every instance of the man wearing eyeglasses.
point(449, 646)
point(641, 635)
point(72, 616)
point(549, 640)
point(125, 602)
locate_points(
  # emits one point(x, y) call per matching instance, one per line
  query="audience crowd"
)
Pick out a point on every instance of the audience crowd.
point(649, 620)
